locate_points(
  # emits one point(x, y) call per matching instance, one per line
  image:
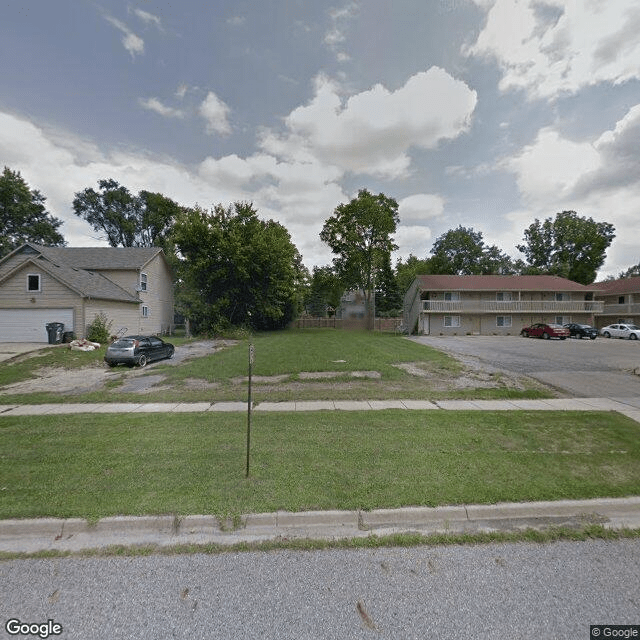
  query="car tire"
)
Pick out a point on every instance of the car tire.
point(545, 336)
point(112, 364)
point(142, 361)
point(606, 334)
point(633, 336)
point(563, 338)
point(593, 337)
point(524, 334)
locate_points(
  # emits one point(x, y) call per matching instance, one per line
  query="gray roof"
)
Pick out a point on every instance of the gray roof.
point(100, 258)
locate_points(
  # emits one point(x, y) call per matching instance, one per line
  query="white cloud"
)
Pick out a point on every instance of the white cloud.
point(340, 18)
point(149, 18)
point(412, 239)
point(215, 112)
point(131, 42)
point(373, 131)
point(153, 104)
point(554, 47)
point(420, 207)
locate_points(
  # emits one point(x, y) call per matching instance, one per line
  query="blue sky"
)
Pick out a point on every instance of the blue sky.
point(482, 113)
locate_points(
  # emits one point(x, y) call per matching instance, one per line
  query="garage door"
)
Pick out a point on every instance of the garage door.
point(28, 325)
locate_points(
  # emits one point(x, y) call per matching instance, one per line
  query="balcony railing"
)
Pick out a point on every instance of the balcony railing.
point(512, 306)
point(621, 309)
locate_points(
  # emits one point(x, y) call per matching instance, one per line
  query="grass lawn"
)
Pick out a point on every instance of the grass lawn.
point(362, 365)
point(100, 465)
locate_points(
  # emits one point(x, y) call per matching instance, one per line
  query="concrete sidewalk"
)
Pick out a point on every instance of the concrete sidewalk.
point(74, 534)
point(627, 406)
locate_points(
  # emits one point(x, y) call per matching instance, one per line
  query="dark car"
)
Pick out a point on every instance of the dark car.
point(582, 330)
point(137, 350)
point(546, 331)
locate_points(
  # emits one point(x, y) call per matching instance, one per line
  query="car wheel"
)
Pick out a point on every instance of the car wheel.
point(563, 338)
point(633, 336)
point(524, 334)
point(606, 334)
point(593, 337)
point(112, 364)
point(545, 335)
point(142, 361)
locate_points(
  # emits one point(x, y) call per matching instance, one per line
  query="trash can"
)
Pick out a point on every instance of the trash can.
point(55, 331)
point(68, 336)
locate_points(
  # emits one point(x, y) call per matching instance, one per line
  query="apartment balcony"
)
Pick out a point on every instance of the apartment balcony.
point(621, 309)
point(513, 306)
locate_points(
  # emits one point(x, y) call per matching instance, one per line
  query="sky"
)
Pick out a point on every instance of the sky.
point(482, 113)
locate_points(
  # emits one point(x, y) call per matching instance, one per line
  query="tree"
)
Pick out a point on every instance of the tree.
point(236, 270)
point(570, 246)
point(23, 217)
point(406, 272)
point(631, 272)
point(359, 233)
point(462, 251)
point(324, 292)
point(127, 220)
point(389, 299)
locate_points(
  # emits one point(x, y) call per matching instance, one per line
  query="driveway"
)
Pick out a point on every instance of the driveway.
point(11, 349)
point(581, 368)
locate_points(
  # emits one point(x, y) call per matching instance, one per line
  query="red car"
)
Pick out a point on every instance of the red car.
point(546, 331)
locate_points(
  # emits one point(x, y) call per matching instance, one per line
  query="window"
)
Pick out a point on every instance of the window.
point(503, 321)
point(452, 321)
point(620, 299)
point(452, 296)
point(33, 282)
point(143, 282)
point(145, 311)
point(562, 297)
point(562, 319)
point(504, 296)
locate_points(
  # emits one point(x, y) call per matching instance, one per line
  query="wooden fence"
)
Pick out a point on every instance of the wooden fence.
point(380, 324)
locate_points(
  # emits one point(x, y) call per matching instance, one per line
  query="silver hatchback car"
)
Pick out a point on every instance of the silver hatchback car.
point(137, 350)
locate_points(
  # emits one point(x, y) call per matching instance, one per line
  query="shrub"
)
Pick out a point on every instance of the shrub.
point(99, 329)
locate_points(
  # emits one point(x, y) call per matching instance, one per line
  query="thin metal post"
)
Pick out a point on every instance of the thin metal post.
point(251, 359)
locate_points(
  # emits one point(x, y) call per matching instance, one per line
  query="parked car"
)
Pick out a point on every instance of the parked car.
point(546, 331)
point(630, 331)
point(137, 350)
point(582, 331)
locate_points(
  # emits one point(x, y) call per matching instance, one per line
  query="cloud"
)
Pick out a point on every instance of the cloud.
point(215, 112)
point(153, 104)
point(149, 18)
point(553, 47)
point(131, 42)
point(420, 207)
point(412, 239)
point(236, 21)
point(373, 131)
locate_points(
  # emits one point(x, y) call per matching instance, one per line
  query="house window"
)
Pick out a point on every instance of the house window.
point(562, 319)
point(503, 321)
point(33, 282)
point(504, 296)
point(452, 321)
point(143, 282)
point(562, 297)
point(452, 296)
point(620, 299)
point(145, 311)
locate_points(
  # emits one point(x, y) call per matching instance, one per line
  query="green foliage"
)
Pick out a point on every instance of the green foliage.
point(462, 251)
point(324, 292)
point(236, 270)
point(23, 217)
point(406, 272)
point(99, 330)
point(631, 272)
point(127, 220)
point(569, 246)
point(359, 233)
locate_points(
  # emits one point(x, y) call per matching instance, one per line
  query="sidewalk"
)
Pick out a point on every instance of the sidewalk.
point(74, 534)
point(627, 406)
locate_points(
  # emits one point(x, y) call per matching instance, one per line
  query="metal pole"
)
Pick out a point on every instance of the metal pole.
point(251, 358)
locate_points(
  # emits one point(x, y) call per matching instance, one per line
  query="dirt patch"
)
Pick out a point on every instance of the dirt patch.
point(65, 381)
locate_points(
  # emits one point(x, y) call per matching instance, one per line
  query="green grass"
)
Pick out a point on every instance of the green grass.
point(287, 353)
point(99, 465)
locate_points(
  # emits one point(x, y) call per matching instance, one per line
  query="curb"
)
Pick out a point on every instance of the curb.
point(76, 534)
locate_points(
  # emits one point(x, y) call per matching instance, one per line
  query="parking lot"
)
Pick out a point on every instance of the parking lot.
point(582, 368)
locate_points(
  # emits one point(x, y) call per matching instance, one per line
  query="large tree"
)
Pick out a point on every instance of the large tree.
point(127, 220)
point(360, 234)
point(324, 292)
point(570, 246)
point(235, 269)
point(23, 217)
point(462, 251)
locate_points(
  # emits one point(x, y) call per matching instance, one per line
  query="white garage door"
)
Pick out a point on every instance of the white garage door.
point(29, 325)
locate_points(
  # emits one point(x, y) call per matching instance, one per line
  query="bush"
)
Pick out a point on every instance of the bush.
point(99, 329)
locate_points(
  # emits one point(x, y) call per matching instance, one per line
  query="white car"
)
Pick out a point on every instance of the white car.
point(630, 331)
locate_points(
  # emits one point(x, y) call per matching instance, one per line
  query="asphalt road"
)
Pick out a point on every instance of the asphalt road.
point(488, 591)
point(581, 368)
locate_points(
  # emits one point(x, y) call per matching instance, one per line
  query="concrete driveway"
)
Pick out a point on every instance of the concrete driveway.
point(581, 368)
point(11, 349)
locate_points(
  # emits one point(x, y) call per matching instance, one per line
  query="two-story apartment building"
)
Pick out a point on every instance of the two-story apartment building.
point(132, 286)
point(621, 301)
point(494, 304)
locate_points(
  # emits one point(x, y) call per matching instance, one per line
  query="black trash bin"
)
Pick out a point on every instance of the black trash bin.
point(55, 331)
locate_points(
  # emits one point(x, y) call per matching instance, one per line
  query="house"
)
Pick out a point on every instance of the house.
point(494, 304)
point(621, 300)
point(132, 286)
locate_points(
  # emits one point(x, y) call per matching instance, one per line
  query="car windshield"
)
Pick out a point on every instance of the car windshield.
point(633, 327)
point(556, 326)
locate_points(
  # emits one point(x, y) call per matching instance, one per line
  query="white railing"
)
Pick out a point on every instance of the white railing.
point(512, 306)
point(621, 309)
